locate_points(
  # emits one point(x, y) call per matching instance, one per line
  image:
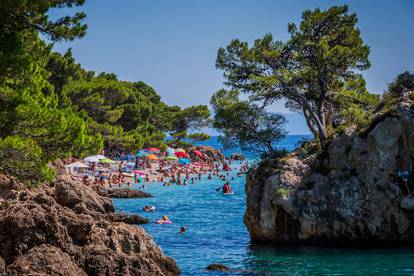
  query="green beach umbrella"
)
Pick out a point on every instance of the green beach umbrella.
point(106, 161)
point(141, 154)
point(171, 158)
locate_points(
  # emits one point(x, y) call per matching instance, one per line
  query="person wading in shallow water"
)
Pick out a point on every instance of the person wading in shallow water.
point(226, 188)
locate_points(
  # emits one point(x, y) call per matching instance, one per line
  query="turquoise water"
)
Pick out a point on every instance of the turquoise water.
point(216, 234)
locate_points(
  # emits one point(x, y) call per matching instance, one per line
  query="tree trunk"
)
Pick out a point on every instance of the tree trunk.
point(309, 123)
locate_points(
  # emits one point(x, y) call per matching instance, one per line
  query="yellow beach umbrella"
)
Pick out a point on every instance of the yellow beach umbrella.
point(152, 157)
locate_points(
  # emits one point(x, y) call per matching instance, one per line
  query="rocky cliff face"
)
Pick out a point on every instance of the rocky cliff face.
point(66, 228)
point(348, 194)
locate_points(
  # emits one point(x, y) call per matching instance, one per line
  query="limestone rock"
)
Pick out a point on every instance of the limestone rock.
point(237, 156)
point(217, 267)
point(66, 228)
point(126, 250)
point(45, 260)
point(126, 218)
point(121, 193)
point(69, 193)
point(347, 194)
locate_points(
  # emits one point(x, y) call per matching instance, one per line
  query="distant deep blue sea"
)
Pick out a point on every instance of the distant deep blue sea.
point(216, 234)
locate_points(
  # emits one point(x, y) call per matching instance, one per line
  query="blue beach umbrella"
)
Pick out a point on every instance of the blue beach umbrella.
point(183, 161)
point(170, 151)
point(141, 154)
point(129, 157)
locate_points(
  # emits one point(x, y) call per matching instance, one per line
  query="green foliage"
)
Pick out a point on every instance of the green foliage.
point(188, 119)
point(34, 130)
point(402, 83)
point(64, 69)
point(307, 147)
point(127, 114)
point(308, 70)
point(20, 23)
point(282, 192)
point(246, 124)
point(198, 136)
point(23, 158)
point(355, 105)
point(191, 118)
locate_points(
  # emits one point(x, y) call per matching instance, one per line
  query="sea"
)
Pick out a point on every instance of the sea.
point(216, 233)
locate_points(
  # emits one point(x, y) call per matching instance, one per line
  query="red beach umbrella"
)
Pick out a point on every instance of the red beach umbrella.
point(156, 150)
point(198, 153)
point(181, 154)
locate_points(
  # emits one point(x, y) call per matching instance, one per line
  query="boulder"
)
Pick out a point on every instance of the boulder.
point(9, 187)
point(209, 153)
point(127, 218)
point(348, 194)
point(69, 193)
point(45, 260)
point(121, 193)
point(127, 250)
point(237, 156)
point(217, 267)
point(66, 228)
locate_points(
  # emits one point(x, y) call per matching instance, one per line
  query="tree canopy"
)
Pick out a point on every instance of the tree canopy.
point(309, 71)
point(51, 107)
point(402, 83)
point(246, 124)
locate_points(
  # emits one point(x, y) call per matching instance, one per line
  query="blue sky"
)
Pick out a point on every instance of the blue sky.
point(172, 45)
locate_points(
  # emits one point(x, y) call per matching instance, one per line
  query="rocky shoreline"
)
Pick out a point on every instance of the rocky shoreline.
point(120, 193)
point(67, 228)
point(345, 195)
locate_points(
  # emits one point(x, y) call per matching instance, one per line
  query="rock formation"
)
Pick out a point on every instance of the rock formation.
point(348, 194)
point(209, 153)
point(121, 193)
point(217, 267)
point(66, 228)
point(237, 156)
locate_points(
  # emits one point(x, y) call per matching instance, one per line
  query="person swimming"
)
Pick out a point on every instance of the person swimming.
point(226, 188)
point(148, 208)
point(182, 230)
point(164, 220)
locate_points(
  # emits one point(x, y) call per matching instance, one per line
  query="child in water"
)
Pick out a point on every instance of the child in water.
point(164, 220)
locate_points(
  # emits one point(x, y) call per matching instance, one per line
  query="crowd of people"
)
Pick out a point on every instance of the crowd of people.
point(126, 171)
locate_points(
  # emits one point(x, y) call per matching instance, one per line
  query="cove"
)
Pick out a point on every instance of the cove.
point(216, 234)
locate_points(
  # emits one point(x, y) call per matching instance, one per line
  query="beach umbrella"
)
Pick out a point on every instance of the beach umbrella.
point(138, 172)
point(180, 154)
point(179, 150)
point(183, 161)
point(91, 159)
point(77, 165)
point(171, 158)
point(152, 157)
point(170, 151)
point(129, 157)
point(141, 154)
point(198, 153)
point(106, 161)
point(155, 150)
